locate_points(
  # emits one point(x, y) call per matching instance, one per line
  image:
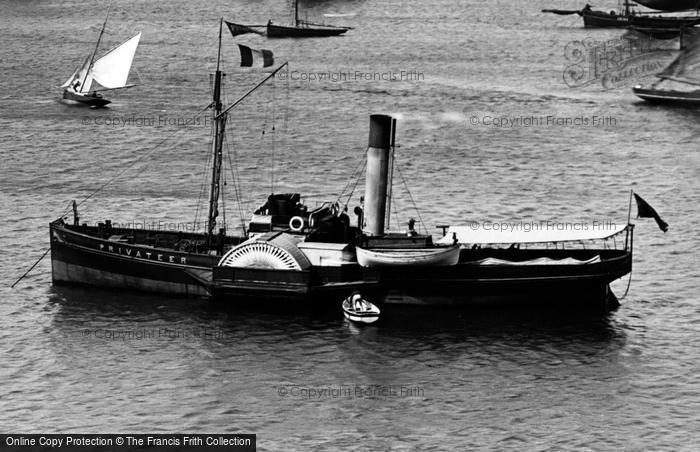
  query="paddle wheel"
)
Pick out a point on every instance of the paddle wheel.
point(275, 251)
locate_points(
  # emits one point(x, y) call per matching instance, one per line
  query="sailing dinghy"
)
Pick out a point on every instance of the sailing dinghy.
point(111, 71)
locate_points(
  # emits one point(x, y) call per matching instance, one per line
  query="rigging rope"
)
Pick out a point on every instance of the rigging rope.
point(205, 168)
point(99, 189)
point(353, 176)
point(222, 198)
point(120, 173)
point(395, 207)
point(415, 206)
point(286, 112)
point(222, 172)
point(272, 139)
point(357, 180)
point(235, 176)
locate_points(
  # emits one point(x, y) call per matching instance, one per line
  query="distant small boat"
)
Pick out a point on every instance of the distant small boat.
point(435, 255)
point(679, 83)
point(629, 17)
point(601, 19)
point(357, 309)
point(299, 29)
point(303, 30)
point(111, 71)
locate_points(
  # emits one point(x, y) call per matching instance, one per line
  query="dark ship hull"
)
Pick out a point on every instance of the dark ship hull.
point(600, 19)
point(463, 284)
point(671, 97)
point(129, 259)
point(304, 31)
point(670, 5)
point(91, 99)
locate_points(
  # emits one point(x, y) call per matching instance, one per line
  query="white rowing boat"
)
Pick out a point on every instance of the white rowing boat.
point(408, 256)
point(357, 309)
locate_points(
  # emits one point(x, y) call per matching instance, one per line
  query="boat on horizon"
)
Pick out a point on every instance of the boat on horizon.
point(298, 29)
point(628, 16)
point(110, 71)
point(679, 82)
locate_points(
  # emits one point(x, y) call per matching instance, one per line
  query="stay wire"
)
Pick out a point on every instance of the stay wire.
point(410, 196)
point(357, 181)
point(354, 176)
point(99, 189)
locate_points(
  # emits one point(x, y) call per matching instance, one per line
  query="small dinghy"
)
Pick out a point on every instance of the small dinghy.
point(357, 309)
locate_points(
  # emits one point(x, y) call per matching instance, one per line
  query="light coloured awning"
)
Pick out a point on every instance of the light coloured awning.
point(506, 233)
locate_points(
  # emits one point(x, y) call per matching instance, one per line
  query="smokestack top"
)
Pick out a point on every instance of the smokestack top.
point(380, 131)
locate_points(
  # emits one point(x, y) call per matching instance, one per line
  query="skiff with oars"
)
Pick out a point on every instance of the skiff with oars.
point(357, 309)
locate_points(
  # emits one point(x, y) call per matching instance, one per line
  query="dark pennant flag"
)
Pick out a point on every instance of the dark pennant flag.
point(236, 29)
point(644, 210)
point(260, 57)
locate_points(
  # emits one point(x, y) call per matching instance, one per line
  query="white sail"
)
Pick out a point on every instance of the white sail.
point(81, 80)
point(71, 78)
point(686, 67)
point(112, 70)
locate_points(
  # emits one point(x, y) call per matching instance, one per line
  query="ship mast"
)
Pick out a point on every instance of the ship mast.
point(219, 129)
point(97, 47)
point(220, 115)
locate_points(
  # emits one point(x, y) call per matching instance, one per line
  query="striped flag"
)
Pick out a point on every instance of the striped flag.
point(250, 57)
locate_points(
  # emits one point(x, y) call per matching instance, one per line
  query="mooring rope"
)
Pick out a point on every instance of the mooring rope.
point(629, 283)
point(46, 251)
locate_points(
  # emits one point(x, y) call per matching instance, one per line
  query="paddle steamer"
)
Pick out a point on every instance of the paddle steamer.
point(292, 252)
